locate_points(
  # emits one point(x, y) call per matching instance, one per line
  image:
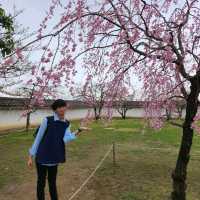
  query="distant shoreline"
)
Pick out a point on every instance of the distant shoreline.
point(11, 103)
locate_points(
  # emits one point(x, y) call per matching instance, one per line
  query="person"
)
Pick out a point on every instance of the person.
point(48, 148)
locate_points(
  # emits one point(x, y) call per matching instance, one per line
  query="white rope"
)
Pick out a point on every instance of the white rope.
point(170, 150)
point(148, 148)
point(9, 132)
point(92, 174)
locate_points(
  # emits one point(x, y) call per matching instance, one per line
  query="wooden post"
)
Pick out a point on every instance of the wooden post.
point(114, 155)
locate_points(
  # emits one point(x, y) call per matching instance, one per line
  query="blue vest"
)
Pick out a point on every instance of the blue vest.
point(52, 147)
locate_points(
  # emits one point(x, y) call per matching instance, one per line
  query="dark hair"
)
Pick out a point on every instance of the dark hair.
point(58, 104)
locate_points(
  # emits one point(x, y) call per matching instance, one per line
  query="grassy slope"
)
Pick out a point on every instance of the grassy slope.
point(142, 173)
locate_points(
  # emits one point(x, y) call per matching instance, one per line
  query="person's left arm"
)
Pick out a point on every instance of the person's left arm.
point(69, 136)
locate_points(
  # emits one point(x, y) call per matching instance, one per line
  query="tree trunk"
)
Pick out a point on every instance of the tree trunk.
point(97, 117)
point(180, 113)
point(168, 114)
point(179, 175)
point(28, 121)
point(96, 114)
point(124, 114)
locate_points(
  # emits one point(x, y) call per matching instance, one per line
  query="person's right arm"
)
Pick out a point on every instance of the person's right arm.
point(39, 136)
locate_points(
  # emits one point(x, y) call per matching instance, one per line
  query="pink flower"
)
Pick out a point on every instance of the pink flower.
point(19, 53)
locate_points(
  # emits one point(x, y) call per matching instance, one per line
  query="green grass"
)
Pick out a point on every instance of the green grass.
point(145, 159)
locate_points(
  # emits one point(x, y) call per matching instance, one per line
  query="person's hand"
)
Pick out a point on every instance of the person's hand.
point(78, 131)
point(30, 162)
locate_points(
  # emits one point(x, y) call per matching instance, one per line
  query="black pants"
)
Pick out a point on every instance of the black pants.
point(42, 172)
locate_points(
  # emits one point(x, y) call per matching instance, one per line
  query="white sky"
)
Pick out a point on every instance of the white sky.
point(34, 11)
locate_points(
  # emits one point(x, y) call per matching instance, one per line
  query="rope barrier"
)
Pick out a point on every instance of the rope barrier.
point(171, 150)
point(151, 148)
point(147, 148)
point(18, 132)
point(92, 174)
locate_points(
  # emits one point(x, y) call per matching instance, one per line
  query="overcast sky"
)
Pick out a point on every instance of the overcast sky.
point(34, 10)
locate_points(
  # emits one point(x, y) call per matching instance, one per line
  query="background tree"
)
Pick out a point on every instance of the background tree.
point(180, 106)
point(94, 92)
point(94, 96)
point(174, 107)
point(168, 114)
point(29, 107)
point(6, 33)
point(13, 67)
point(32, 104)
point(123, 101)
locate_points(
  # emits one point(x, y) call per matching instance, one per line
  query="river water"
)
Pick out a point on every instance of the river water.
point(13, 119)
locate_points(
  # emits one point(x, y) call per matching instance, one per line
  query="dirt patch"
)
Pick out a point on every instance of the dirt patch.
point(70, 176)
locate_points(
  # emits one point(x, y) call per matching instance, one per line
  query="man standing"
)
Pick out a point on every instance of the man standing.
point(48, 148)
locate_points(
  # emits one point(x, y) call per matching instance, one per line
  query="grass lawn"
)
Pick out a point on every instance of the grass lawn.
point(144, 161)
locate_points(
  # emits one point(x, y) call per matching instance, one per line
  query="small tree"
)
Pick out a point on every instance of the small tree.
point(94, 96)
point(123, 101)
point(180, 106)
point(174, 107)
point(95, 89)
point(168, 114)
point(32, 104)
